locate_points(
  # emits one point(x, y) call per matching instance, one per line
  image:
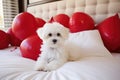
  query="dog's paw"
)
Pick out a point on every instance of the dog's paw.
point(50, 67)
point(39, 68)
point(47, 69)
point(42, 68)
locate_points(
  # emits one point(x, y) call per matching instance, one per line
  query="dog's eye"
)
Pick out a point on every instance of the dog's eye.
point(49, 34)
point(58, 34)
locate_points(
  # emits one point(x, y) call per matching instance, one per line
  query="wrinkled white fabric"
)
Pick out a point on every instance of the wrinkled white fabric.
point(15, 67)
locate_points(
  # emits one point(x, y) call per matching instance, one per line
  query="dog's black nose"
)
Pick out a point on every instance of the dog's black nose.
point(54, 40)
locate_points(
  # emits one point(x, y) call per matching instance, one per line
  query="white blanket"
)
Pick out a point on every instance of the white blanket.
point(15, 67)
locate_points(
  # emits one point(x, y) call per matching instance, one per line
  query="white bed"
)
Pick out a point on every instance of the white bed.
point(96, 62)
point(14, 67)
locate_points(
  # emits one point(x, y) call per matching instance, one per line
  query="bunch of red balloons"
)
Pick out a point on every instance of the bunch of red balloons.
point(23, 34)
point(24, 26)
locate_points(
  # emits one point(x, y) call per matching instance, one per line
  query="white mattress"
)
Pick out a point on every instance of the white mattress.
point(15, 67)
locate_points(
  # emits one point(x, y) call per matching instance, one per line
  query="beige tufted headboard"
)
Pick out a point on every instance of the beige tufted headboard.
point(98, 9)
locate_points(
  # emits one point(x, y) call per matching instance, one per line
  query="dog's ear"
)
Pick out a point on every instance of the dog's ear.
point(39, 32)
point(66, 33)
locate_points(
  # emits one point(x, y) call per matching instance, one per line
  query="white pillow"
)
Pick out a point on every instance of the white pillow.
point(86, 44)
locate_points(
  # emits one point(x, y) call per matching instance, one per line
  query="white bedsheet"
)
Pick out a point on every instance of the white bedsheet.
point(15, 67)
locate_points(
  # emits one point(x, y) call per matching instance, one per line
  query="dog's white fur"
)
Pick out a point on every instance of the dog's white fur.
point(53, 51)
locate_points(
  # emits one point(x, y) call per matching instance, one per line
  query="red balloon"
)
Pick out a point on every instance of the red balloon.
point(80, 21)
point(24, 25)
point(40, 22)
point(110, 33)
point(13, 40)
point(4, 40)
point(62, 19)
point(30, 47)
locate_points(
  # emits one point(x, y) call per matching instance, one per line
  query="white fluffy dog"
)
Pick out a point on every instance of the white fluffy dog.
point(54, 53)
